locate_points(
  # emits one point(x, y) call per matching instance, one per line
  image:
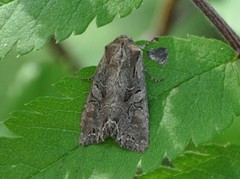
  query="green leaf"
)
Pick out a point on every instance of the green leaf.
point(207, 162)
point(2, 2)
point(198, 98)
point(30, 24)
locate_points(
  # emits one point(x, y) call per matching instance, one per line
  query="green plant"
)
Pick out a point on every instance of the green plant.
point(198, 99)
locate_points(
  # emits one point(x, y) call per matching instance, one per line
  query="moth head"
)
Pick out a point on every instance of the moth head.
point(122, 51)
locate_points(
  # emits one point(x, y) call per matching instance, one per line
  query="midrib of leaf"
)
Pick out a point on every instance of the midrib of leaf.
point(55, 162)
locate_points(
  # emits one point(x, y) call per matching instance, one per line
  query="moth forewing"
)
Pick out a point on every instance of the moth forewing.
point(117, 102)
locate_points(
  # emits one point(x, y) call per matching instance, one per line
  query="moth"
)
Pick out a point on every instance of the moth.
point(117, 105)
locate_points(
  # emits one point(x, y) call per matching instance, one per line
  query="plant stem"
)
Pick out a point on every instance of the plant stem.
point(62, 55)
point(231, 37)
point(166, 17)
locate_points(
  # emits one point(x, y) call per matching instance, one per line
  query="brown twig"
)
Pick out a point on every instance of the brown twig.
point(231, 37)
point(166, 17)
point(64, 56)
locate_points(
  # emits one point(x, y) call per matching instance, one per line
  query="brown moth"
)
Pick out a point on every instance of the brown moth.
point(117, 104)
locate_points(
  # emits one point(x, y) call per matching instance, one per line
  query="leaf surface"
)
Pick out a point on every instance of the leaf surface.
point(30, 24)
point(207, 162)
point(198, 98)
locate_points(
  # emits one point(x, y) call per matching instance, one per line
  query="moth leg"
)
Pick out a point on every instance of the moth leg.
point(152, 78)
point(88, 78)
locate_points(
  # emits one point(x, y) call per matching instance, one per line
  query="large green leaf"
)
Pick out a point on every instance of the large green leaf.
point(207, 162)
point(198, 98)
point(4, 2)
point(30, 24)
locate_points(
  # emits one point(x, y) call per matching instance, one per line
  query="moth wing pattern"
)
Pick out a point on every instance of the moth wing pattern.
point(117, 103)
